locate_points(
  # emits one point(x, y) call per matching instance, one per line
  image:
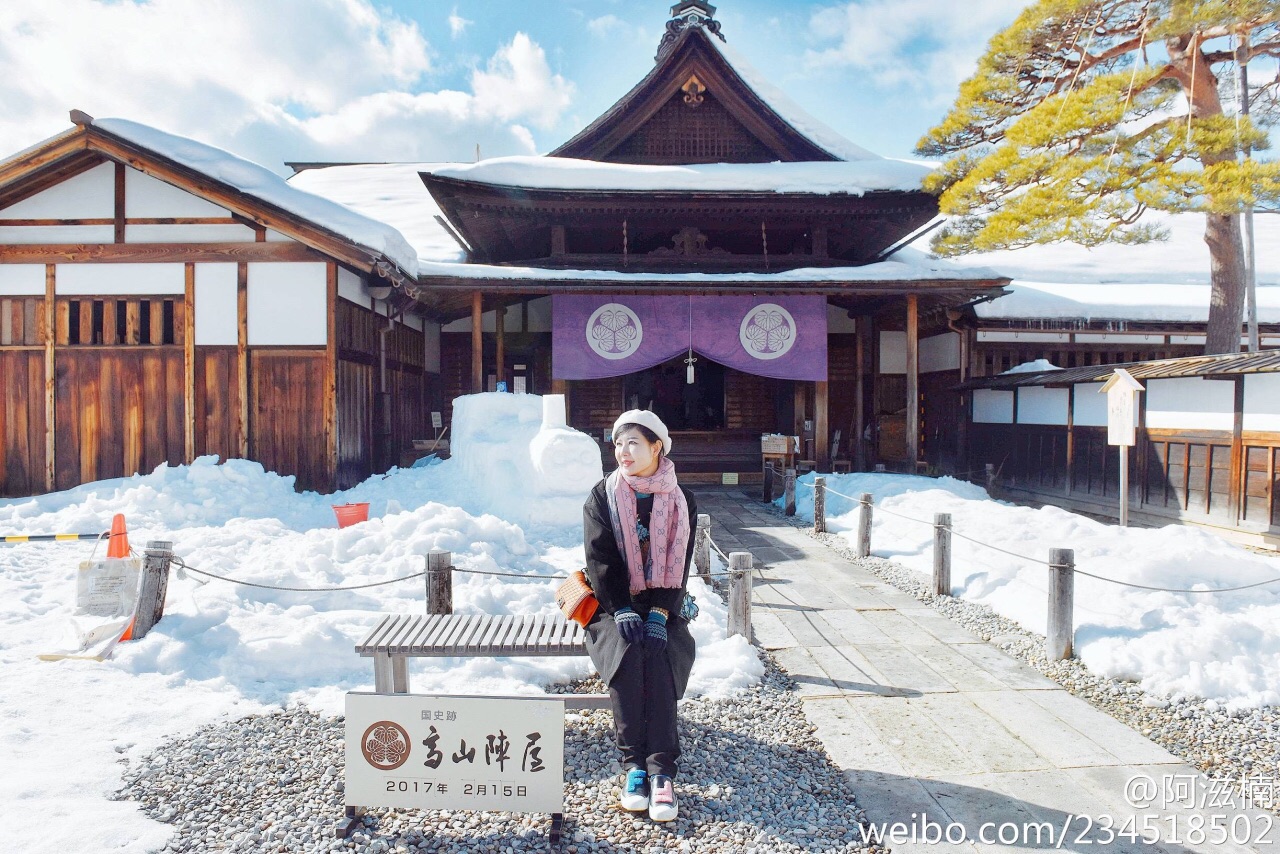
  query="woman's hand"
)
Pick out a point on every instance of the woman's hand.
point(655, 630)
point(630, 626)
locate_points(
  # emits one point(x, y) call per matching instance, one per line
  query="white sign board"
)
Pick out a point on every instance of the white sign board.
point(436, 421)
point(1122, 411)
point(441, 752)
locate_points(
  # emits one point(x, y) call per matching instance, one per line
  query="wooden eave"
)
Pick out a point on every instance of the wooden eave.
point(448, 298)
point(692, 54)
point(493, 218)
point(87, 145)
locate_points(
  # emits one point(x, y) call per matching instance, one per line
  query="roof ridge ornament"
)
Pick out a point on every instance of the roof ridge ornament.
point(686, 15)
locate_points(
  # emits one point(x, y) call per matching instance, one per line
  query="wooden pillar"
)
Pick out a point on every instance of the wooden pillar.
point(242, 355)
point(863, 341)
point(962, 428)
point(330, 391)
point(1236, 478)
point(119, 218)
point(189, 367)
point(1071, 438)
point(477, 342)
point(797, 426)
point(821, 428)
point(913, 382)
point(499, 330)
point(50, 380)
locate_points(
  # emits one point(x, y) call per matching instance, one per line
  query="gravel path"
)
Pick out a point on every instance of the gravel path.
point(753, 779)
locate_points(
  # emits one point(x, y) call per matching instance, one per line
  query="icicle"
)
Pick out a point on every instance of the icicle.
point(624, 243)
point(764, 242)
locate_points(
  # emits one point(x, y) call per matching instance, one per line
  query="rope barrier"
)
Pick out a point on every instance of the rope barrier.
point(52, 538)
point(1077, 570)
point(719, 550)
point(208, 574)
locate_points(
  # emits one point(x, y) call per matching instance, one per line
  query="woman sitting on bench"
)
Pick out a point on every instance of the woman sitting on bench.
point(637, 524)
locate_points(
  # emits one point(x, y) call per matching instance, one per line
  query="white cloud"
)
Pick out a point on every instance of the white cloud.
point(916, 45)
point(604, 25)
point(285, 80)
point(457, 23)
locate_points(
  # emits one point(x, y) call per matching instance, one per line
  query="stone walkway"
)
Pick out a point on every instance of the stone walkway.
point(926, 719)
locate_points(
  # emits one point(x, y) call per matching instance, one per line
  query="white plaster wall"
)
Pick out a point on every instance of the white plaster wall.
point(464, 324)
point(1039, 405)
point(89, 195)
point(145, 196)
point(127, 279)
point(276, 237)
point(351, 288)
point(991, 406)
point(1262, 402)
point(939, 353)
point(22, 280)
point(414, 322)
point(431, 341)
point(216, 305)
point(893, 352)
point(287, 304)
point(1042, 337)
point(57, 233)
point(838, 320)
point(1090, 406)
point(1117, 338)
point(1190, 403)
point(188, 234)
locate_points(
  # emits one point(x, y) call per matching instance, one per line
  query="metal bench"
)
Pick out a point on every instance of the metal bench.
point(399, 637)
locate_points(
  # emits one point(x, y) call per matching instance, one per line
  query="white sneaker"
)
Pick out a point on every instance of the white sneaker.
point(662, 798)
point(634, 794)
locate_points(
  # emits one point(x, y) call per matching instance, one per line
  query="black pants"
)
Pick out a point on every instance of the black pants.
point(643, 694)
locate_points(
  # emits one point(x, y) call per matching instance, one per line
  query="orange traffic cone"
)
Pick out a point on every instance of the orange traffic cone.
point(118, 544)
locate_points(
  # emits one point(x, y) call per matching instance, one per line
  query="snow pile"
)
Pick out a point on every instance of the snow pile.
point(225, 650)
point(854, 178)
point(1035, 366)
point(261, 183)
point(1220, 646)
point(518, 450)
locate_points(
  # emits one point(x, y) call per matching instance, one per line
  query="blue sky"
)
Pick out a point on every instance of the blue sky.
point(278, 80)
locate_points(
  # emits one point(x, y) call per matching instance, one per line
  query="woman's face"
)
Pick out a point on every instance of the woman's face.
point(635, 455)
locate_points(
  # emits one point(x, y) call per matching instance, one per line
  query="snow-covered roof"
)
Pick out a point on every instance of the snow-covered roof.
point(394, 193)
point(564, 173)
point(1162, 281)
point(263, 184)
point(789, 111)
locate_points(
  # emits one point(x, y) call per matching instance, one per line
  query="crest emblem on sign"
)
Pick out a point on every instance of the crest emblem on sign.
point(614, 331)
point(385, 745)
point(768, 331)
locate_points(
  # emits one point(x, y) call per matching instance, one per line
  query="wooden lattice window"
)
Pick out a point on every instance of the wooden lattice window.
point(22, 321)
point(124, 321)
point(681, 133)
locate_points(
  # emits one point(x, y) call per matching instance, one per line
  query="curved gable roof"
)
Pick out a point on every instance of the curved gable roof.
point(779, 126)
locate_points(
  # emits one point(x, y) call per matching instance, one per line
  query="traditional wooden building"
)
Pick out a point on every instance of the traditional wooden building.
point(161, 300)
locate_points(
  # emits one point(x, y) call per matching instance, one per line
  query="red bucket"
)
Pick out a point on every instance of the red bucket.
point(350, 514)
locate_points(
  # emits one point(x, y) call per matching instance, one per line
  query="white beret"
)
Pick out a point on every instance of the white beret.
point(645, 418)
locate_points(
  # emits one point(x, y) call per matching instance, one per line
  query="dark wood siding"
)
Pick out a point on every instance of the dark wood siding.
point(22, 422)
point(217, 402)
point(287, 414)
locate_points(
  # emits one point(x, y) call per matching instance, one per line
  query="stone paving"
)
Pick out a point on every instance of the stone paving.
point(927, 719)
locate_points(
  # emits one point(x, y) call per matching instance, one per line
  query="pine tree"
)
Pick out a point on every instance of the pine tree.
point(1084, 114)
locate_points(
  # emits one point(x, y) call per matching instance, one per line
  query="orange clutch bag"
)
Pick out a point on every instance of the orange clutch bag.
point(576, 600)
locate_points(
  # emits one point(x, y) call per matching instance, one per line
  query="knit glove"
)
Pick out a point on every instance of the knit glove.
point(655, 630)
point(630, 626)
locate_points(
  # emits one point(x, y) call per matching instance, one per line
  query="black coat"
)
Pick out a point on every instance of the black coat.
point(607, 573)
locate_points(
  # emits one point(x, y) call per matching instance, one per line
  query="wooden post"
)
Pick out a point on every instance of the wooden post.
point(242, 355)
point(329, 392)
point(50, 380)
point(767, 492)
point(702, 546)
point(1059, 640)
point(863, 343)
point(188, 365)
point(789, 493)
point(477, 342)
point(864, 525)
point(819, 505)
point(499, 333)
point(942, 554)
point(740, 594)
point(821, 423)
point(155, 582)
point(1124, 486)
point(913, 382)
point(439, 582)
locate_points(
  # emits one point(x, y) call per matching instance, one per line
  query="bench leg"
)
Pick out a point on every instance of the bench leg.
point(390, 673)
point(557, 829)
point(349, 822)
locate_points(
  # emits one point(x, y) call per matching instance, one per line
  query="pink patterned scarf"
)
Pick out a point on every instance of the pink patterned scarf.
point(668, 526)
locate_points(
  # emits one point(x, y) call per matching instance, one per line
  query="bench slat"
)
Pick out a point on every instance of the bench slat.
point(509, 636)
point(544, 636)
point(379, 631)
point(528, 637)
point(454, 642)
point(440, 626)
point(496, 628)
point(425, 626)
point(398, 642)
point(470, 643)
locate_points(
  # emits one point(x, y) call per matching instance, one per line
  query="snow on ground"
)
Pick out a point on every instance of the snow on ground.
point(226, 651)
point(1220, 646)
